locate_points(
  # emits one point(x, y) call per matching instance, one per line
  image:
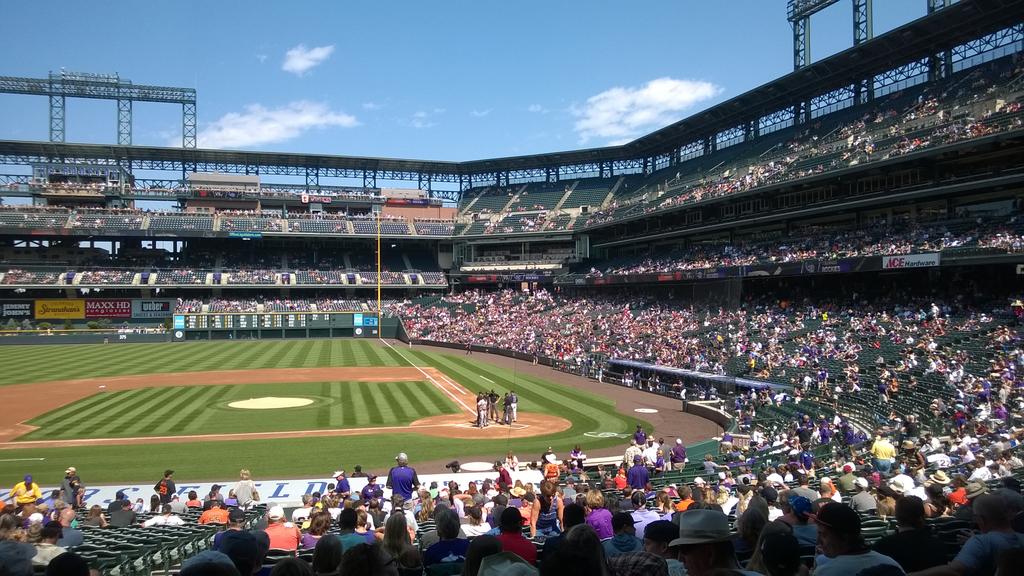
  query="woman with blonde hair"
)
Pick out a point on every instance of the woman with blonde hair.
point(425, 511)
point(664, 504)
point(245, 490)
point(598, 517)
point(397, 542)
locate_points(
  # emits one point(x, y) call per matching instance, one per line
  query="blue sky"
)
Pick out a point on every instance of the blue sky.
point(426, 79)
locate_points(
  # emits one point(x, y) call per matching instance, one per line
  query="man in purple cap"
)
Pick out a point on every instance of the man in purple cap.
point(26, 492)
point(637, 476)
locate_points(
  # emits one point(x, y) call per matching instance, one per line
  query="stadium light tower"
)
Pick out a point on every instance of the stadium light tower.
point(799, 14)
point(61, 85)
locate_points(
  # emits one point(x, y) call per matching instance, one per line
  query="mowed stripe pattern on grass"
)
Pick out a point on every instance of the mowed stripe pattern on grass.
point(23, 364)
point(186, 410)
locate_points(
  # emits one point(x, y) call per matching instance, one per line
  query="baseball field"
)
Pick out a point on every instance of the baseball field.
point(125, 412)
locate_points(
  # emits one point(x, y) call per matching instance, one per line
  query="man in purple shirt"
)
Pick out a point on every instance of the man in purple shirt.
point(637, 476)
point(640, 436)
point(402, 479)
point(678, 455)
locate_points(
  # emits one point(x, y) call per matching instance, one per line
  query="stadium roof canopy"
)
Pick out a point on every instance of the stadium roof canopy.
point(946, 29)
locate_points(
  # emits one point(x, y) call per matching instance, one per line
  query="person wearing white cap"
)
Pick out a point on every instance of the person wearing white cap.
point(283, 535)
point(863, 501)
point(402, 479)
point(71, 487)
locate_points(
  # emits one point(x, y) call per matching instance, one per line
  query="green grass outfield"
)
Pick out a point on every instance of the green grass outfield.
point(286, 458)
point(178, 410)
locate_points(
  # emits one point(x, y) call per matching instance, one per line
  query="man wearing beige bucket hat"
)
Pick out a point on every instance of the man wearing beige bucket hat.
point(705, 544)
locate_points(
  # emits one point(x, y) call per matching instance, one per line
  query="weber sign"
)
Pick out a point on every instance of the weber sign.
point(910, 261)
point(152, 308)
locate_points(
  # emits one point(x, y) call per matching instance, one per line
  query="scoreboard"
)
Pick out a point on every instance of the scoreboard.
point(274, 321)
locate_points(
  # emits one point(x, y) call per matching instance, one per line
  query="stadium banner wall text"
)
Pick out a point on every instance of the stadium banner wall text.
point(152, 308)
point(67, 309)
point(86, 309)
point(16, 309)
point(910, 261)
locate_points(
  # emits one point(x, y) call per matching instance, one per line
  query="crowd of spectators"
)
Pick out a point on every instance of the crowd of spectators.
point(931, 119)
point(898, 238)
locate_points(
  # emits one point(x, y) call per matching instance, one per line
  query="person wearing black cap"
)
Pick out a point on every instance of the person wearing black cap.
point(625, 540)
point(511, 536)
point(657, 536)
point(843, 549)
point(913, 546)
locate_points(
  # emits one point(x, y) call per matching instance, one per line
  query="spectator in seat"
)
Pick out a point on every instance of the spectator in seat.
point(95, 519)
point(165, 518)
point(476, 525)
point(572, 515)
point(511, 537)
point(193, 500)
point(123, 517)
point(283, 535)
point(215, 515)
point(913, 545)
point(625, 540)
point(705, 544)
point(347, 521)
point(598, 517)
point(47, 548)
point(319, 524)
point(398, 542)
point(982, 551)
point(327, 556)
point(68, 564)
point(843, 549)
point(449, 548)
point(244, 549)
point(581, 554)
point(70, 537)
point(657, 536)
point(863, 501)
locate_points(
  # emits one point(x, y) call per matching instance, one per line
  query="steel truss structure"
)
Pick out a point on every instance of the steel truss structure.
point(60, 86)
point(954, 36)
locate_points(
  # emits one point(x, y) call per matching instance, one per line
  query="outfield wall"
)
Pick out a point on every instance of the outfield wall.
point(80, 337)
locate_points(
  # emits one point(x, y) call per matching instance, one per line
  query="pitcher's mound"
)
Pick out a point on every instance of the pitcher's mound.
point(270, 403)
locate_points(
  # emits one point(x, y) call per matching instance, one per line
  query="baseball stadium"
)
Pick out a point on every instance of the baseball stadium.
point(770, 330)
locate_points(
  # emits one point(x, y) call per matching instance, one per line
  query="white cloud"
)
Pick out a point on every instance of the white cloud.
point(619, 114)
point(300, 59)
point(536, 109)
point(257, 124)
point(422, 119)
point(479, 113)
point(372, 106)
point(262, 58)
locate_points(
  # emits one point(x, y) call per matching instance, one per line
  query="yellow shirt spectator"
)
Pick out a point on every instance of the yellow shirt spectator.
point(26, 492)
point(882, 449)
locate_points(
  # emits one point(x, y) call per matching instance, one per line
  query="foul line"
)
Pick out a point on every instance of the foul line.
point(471, 411)
point(22, 459)
point(486, 378)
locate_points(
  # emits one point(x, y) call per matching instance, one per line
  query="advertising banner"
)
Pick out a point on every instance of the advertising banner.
point(72, 309)
point(152, 308)
point(18, 309)
point(108, 309)
point(910, 261)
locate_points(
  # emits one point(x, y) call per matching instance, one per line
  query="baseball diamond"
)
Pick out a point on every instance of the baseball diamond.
point(124, 399)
